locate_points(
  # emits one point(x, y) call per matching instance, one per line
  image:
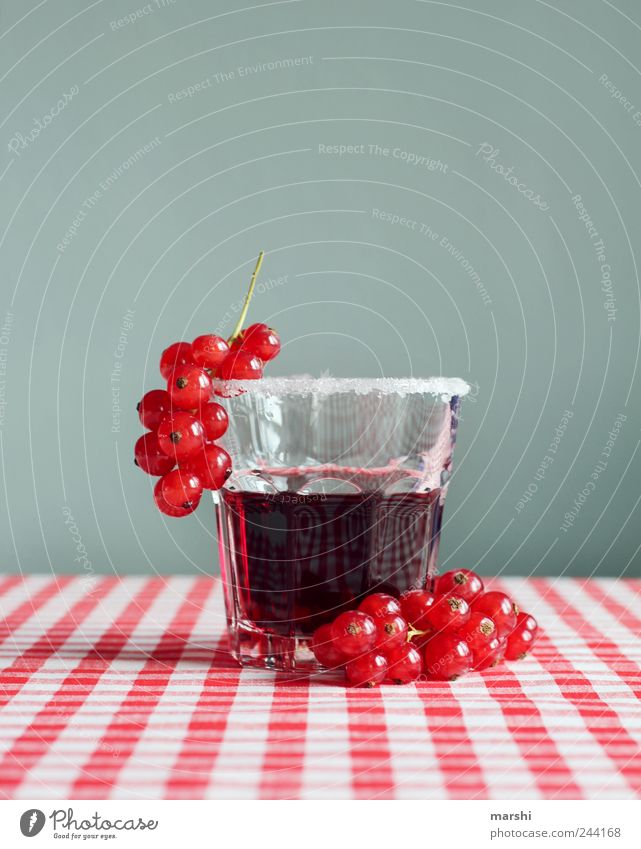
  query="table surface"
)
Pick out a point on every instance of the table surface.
point(123, 689)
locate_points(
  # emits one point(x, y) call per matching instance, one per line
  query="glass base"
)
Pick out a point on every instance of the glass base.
point(251, 646)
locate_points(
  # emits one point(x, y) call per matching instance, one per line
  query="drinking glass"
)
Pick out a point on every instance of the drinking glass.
point(337, 492)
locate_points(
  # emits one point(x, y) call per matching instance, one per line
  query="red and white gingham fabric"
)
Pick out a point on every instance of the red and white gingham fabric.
point(123, 689)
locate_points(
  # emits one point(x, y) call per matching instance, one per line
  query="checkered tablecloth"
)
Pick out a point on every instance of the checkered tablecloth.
point(123, 688)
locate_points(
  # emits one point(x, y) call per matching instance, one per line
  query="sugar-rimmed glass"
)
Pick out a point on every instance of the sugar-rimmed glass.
point(337, 491)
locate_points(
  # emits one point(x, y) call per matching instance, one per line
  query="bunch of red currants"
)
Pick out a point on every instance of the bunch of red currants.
point(183, 422)
point(436, 635)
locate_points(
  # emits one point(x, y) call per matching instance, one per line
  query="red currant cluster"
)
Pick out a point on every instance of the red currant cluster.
point(183, 421)
point(432, 635)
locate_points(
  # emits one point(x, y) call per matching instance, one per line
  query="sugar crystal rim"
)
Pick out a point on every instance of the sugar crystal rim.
point(305, 384)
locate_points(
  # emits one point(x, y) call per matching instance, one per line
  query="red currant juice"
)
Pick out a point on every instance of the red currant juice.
point(292, 562)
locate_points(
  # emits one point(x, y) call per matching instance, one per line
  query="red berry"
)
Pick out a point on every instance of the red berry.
point(527, 620)
point(214, 419)
point(446, 657)
point(211, 464)
point(368, 670)
point(153, 407)
point(150, 457)
point(404, 664)
point(181, 489)
point(462, 583)
point(415, 607)
point(261, 340)
point(448, 612)
point(492, 656)
point(500, 609)
point(178, 354)
point(391, 631)
point(354, 633)
point(241, 365)
point(189, 387)
point(478, 632)
point(169, 509)
point(209, 351)
point(522, 638)
point(379, 604)
point(181, 435)
point(324, 649)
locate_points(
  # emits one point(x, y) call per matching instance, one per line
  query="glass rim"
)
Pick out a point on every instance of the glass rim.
point(444, 387)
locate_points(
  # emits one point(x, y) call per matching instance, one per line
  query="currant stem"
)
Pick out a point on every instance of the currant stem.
point(248, 297)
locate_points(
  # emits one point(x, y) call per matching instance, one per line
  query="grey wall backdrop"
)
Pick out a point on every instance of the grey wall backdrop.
point(440, 188)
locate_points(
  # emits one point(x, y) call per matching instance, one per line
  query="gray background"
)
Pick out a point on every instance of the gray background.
point(165, 251)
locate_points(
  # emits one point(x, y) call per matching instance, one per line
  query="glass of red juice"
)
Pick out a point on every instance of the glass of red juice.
point(337, 492)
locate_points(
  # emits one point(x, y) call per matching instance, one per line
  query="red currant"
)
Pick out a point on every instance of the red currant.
point(181, 435)
point(189, 387)
point(214, 419)
point(527, 621)
point(368, 670)
point(153, 407)
point(404, 664)
point(500, 609)
point(261, 340)
point(448, 612)
point(379, 604)
point(354, 633)
point(169, 509)
point(415, 607)
point(521, 640)
point(447, 656)
point(209, 351)
point(181, 489)
point(478, 632)
point(178, 354)
point(492, 656)
point(241, 365)
point(150, 457)
point(211, 464)
point(462, 583)
point(391, 631)
point(324, 649)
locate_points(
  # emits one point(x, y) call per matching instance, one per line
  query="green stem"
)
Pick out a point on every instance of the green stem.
point(248, 297)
